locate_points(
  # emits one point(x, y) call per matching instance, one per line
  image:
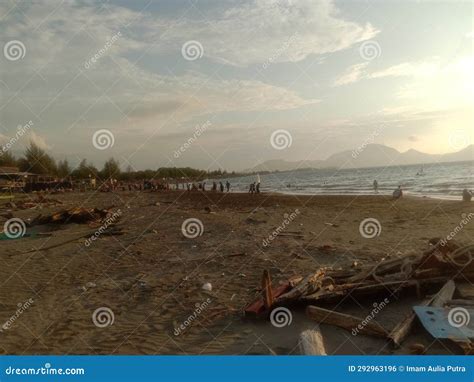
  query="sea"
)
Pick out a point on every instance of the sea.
point(437, 180)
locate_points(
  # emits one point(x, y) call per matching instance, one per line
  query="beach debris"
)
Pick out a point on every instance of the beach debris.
point(207, 287)
point(420, 272)
point(78, 215)
point(417, 348)
point(401, 330)
point(311, 342)
point(346, 321)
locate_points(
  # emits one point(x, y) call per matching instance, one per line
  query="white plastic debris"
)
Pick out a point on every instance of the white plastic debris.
point(207, 287)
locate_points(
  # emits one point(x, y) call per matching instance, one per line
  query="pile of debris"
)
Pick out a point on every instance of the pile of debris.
point(76, 215)
point(441, 265)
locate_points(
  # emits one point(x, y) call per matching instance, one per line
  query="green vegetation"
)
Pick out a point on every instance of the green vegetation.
point(38, 161)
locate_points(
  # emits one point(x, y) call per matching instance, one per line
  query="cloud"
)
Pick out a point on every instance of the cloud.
point(38, 140)
point(261, 30)
point(352, 74)
point(413, 138)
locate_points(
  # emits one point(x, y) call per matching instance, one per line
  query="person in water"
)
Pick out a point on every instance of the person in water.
point(398, 193)
point(466, 195)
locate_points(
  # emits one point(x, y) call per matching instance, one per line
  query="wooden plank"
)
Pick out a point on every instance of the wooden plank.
point(400, 331)
point(311, 342)
point(257, 308)
point(346, 321)
point(267, 290)
point(466, 290)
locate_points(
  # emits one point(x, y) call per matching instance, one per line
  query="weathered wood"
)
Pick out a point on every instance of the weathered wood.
point(400, 331)
point(267, 290)
point(257, 308)
point(465, 290)
point(346, 321)
point(460, 302)
point(311, 342)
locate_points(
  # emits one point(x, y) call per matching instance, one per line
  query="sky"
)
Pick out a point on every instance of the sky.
point(230, 84)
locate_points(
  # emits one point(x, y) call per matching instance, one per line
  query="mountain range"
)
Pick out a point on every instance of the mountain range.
point(372, 155)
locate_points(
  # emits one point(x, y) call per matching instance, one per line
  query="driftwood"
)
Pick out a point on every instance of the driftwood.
point(399, 333)
point(73, 215)
point(267, 293)
point(311, 342)
point(346, 321)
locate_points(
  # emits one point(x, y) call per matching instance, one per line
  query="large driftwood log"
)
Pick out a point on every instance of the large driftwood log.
point(311, 342)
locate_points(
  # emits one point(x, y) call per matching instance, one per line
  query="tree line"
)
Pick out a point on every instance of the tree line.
point(37, 161)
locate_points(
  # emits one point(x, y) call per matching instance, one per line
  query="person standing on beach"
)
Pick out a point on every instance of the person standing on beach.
point(466, 195)
point(214, 186)
point(257, 188)
point(227, 185)
point(221, 186)
point(376, 186)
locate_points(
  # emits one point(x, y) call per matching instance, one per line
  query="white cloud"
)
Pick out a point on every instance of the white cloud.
point(352, 74)
point(259, 30)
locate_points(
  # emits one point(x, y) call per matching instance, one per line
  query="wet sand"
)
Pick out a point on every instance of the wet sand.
point(151, 277)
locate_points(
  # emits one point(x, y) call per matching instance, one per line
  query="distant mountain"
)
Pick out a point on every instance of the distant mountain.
point(372, 155)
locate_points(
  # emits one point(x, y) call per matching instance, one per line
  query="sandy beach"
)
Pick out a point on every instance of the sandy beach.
point(150, 277)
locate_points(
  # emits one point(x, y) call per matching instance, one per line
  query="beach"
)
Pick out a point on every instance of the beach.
point(148, 280)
